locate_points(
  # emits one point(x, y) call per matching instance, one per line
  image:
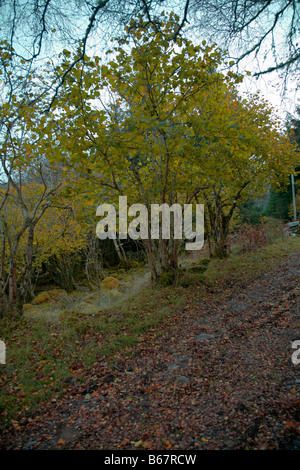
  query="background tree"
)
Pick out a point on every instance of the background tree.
point(293, 127)
point(281, 201)
point(60, 240)
point(249, 27)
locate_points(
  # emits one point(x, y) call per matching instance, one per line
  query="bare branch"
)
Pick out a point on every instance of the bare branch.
point(100, 5)
point(183, 21)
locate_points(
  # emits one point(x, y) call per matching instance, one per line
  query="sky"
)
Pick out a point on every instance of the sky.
point(270, 85)
point(272, 88)
point(279, 90)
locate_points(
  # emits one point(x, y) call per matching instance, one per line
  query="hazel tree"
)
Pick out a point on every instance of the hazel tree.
point(171, 123)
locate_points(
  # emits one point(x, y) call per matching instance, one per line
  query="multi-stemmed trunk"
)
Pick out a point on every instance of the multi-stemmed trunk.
point(162, 257)
point(218, 221)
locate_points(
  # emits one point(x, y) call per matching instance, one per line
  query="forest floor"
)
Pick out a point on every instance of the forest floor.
point(216, 374)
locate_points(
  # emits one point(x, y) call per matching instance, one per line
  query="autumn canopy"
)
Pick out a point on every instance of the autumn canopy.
point(156, 121)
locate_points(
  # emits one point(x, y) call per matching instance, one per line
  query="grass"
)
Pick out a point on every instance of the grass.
point(247, 265)
point(46, 351)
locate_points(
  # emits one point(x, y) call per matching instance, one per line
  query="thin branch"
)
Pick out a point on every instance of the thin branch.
point(259, 43)
point(92, 19)
point(184, 20)
point(280, 66)
point(41, 34)
point(253, 18)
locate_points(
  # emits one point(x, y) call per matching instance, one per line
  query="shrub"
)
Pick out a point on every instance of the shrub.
point(251, 237)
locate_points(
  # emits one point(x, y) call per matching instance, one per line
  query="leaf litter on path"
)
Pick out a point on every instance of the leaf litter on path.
point(218, 376)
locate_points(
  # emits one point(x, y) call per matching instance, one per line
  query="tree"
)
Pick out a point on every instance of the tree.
point(173, 128)
point(60, 240)
point(249, 212)
point(281, 201)
point(293, 126)
point(28, 184)
point(136, 144)
point(155, 86)
point(21, 209)
point(246, 153)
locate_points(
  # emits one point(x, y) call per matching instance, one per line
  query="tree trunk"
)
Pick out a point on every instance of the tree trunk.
point(4, 304)
point(220, 245)
point(219, 225)
point(120, 251)
point(206, 228)
point(25, 293)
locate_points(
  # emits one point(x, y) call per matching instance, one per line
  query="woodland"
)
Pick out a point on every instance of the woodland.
point(102, 99)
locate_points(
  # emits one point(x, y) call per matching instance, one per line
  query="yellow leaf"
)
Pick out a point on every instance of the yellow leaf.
point(138, 443)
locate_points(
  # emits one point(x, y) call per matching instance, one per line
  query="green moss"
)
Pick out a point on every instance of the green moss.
point(167, 278)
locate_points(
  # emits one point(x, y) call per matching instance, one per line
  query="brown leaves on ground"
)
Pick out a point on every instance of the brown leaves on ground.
point(216, 375)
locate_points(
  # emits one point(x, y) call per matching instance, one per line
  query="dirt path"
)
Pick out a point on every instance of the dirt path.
point(219, 375)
